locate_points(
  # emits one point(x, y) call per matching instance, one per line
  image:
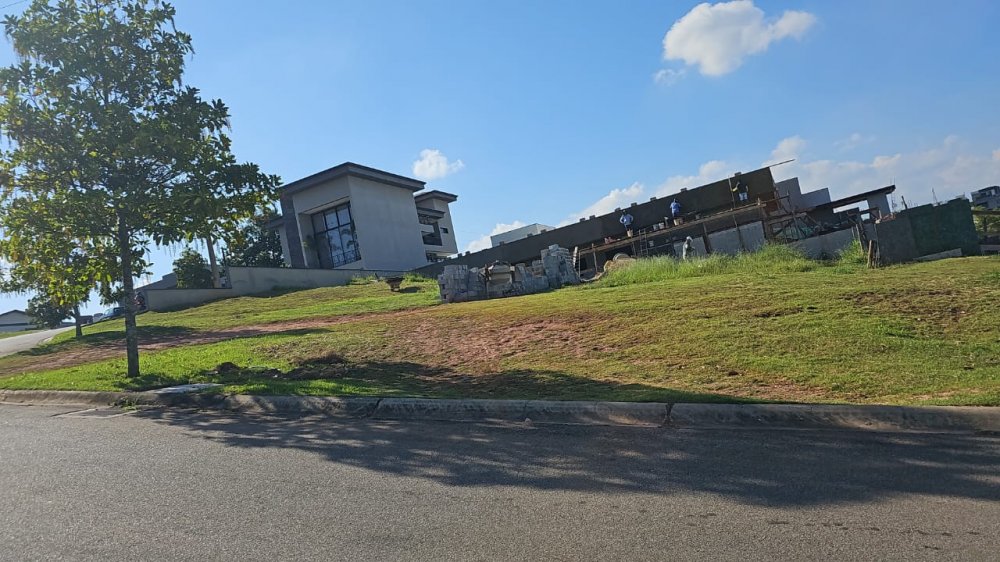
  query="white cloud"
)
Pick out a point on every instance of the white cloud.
point(668, 76)
point(881, 162)
point(788, 149)
point(950, 169)
point(996, 155)
point(619, 197)
point(854, 141)
point(434, 165)
point(483, 242)
point(717, 37)
point(710, 171)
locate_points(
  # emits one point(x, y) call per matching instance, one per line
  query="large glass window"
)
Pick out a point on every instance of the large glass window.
point(336, 242)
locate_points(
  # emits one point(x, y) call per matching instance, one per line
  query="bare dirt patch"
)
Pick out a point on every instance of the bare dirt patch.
point(480, 344)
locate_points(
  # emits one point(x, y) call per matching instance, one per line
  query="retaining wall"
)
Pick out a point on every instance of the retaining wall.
point(825, 246)
point(256, 280)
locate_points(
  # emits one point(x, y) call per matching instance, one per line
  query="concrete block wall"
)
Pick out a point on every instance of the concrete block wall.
point(748, 238)
point(825, 246)
point(459, 283)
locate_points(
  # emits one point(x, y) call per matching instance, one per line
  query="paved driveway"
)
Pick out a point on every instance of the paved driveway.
point(174, 485)
point(15, 344)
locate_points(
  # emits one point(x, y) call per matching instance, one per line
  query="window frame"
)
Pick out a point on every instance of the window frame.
point(328, 258)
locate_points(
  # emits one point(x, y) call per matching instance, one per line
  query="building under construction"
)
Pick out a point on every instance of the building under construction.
point(737, 214)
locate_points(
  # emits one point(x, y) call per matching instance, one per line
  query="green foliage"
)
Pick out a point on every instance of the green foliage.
point(772, 259)
point(363, 280)
point(852, 256)
point(986, 225)
point(98, 121)
point(44, 255)
point(46, 313)
point(255, 245)
point(192, 270)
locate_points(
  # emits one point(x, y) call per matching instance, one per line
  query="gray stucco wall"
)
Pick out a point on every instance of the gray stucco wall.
point(387, 227)
point(160, 300)
point(256, 280)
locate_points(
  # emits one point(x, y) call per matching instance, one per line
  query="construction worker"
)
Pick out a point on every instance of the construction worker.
point(741, 190)
point(626, 220)
point(675, 212)
point(687, 250)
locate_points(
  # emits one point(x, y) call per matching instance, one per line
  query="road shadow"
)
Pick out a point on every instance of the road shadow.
point(768, 468)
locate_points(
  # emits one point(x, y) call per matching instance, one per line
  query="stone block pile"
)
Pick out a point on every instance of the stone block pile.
point(460, 283)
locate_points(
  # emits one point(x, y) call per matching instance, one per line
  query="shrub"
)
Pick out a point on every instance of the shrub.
point(192, 271)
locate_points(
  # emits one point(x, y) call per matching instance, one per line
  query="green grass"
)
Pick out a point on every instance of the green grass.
point(5, 335)
point(364, 296)
point(771, 326)
point(770, 260)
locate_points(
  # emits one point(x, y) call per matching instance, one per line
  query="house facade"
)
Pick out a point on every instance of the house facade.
point(15, 321)
point(355, 217)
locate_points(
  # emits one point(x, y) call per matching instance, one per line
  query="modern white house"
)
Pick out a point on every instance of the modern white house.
point(519, 233)
point(15, 321)
point(355, 217)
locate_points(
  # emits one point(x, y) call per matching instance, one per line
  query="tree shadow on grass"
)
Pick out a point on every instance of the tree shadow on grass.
point(405, 378)
point(112, 338)
point(769, 468)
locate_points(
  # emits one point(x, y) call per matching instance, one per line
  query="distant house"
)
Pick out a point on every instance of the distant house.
point(15, 321)
point(355, 217)
point(988, 197)
point(519, 233)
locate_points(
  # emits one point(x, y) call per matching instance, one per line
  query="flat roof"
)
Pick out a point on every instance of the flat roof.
point(857, 198)
point(352, 169)
point(436, 194)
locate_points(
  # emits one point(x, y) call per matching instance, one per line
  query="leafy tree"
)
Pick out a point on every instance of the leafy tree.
point(47, 313)
point(238, 192)
point(987, 225)
point(43, 255)
point(97, 119)
point(192, 271)
point(255, 245)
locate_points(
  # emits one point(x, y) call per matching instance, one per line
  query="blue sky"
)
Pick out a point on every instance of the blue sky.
point(543, 111)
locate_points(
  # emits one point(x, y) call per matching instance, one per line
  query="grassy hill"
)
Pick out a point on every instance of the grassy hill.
point(762, 327)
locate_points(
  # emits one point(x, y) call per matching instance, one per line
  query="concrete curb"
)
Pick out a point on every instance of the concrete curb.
point(643, 414)
point(819, 416)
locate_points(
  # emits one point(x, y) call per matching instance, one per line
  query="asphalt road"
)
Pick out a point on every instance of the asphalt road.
point(185, 486)
point(14, 344)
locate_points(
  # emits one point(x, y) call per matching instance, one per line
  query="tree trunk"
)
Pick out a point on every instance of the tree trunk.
point(212, 262)
point(131, 332)
point(77, 321)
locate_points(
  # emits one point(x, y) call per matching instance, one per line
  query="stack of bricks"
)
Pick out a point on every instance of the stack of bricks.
point(558, 265)
point(460, 283)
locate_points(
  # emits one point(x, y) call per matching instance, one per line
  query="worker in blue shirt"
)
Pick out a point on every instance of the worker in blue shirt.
point(675, 212)
point(626, 220)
